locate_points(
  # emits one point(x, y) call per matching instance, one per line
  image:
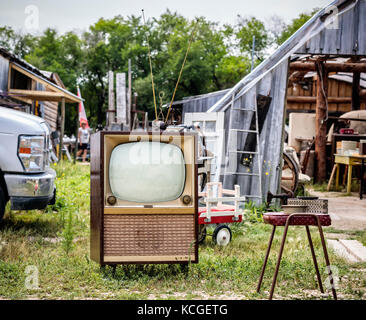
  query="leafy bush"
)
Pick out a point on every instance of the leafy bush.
point(253, 212)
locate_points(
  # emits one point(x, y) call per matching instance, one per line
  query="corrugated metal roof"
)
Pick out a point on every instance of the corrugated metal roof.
point(345, 35)
point(203, 102)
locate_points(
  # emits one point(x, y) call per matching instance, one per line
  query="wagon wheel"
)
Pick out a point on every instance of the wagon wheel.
point(290, 174)
point(222, 235)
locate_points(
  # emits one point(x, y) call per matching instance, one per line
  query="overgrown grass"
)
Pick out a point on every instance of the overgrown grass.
point(57, 243)
point(322, 187)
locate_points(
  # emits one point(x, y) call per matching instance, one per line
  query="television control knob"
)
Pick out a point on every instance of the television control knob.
point(187, 199)
point(111, 200)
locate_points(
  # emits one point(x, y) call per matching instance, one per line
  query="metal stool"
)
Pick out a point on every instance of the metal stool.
point(297, 219)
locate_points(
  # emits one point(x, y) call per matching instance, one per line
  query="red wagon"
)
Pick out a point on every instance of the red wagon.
point(216, 213)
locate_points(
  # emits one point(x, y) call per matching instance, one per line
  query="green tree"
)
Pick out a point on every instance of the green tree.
point(247, 28)
point(107, 48)
point(295, 24)
point(204, 70)
point(18, 44)
point(63, 55)
point(213, 63)
point(231, 70)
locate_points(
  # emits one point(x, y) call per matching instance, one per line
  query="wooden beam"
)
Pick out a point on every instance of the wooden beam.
point(311, 99)
point(330, 67)
point(25, 100)
point(53, 87)
point(62, 129)
point(320, 125)
point(39, 95)
point(356, 91)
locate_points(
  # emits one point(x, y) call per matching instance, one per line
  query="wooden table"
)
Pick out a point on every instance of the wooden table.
point(350, 161)
point(339, 137)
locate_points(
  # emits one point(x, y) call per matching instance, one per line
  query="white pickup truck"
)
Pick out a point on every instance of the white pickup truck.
point(25, 176)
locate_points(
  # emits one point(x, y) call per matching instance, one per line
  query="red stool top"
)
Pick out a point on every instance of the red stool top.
point(280, 218)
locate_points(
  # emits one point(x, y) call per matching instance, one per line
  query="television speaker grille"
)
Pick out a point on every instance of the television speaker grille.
point(131, 237)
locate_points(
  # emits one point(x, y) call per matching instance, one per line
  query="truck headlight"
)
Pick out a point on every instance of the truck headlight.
point(31, 152)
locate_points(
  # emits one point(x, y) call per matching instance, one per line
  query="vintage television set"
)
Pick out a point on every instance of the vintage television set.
point(144, 200)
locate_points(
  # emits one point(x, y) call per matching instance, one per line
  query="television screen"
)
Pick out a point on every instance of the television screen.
point(147, 172)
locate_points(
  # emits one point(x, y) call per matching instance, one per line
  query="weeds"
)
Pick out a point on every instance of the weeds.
point(68, 234)
point(253, 212)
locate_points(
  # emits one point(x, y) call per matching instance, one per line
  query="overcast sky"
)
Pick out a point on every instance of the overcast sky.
point(68, 15)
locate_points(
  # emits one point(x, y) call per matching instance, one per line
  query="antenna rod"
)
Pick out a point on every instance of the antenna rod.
point(151, 71)
point(181, 70)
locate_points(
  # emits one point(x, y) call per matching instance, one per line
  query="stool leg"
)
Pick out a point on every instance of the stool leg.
point(266, 259)
point(314, 260)
point(279, 259)
point(326, 259)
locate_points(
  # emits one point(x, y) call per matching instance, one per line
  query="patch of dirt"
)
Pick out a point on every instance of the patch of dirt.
point(347, 212)
point(336, 236)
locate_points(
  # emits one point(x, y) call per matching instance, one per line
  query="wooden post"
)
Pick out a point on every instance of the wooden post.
point(76, 133)
point(121, 108)
point(110, 114)
point(129, 95)
point(356, 91)
point(320, 125)
point(62, 129)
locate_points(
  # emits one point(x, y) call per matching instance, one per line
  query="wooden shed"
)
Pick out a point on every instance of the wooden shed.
point(28, 89)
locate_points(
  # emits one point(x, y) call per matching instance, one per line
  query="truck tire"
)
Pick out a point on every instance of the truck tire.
point(3, 202)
